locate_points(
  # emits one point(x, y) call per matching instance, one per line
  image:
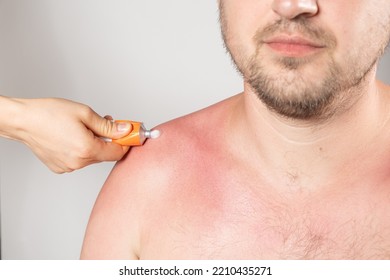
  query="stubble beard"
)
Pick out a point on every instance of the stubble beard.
point(292, 95)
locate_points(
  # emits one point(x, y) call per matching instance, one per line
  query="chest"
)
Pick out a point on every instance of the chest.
point(234, 223)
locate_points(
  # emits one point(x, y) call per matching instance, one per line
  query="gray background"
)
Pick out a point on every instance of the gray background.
point(142, 60)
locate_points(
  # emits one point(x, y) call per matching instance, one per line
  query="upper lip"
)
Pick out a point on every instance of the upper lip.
point(294, 40)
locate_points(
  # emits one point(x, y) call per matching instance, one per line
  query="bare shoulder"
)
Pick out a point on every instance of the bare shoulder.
point(181, 140)
point(178, 137)
point(145, 178)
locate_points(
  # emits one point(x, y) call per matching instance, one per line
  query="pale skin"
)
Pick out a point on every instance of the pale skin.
point(238, 180)
point(63, 134)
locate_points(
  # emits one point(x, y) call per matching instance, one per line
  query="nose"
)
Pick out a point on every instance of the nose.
point(291, 9)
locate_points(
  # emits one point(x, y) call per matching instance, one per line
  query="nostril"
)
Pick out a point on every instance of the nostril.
point(294, 8)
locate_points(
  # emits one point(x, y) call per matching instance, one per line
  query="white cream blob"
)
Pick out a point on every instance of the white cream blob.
point(155, 134)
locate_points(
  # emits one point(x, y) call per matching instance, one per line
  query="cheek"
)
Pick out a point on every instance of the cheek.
point(241, 22)
point(362, 30)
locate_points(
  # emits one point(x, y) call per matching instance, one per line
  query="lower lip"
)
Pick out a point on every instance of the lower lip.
point(293, 50)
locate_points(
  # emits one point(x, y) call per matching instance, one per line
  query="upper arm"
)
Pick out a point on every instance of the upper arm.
point(113, 228)
point(122, 212)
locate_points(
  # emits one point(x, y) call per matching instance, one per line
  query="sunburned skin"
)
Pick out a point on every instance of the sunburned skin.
point(216, 209)
point(295, 167)
point(199, 199)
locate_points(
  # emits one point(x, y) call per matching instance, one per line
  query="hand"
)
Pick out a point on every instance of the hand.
point(65, 135)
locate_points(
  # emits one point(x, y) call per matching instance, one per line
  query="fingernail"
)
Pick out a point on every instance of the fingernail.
point(123, 126)
point(108, 117)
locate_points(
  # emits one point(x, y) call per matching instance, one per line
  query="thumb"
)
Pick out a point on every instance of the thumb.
point(106, 127)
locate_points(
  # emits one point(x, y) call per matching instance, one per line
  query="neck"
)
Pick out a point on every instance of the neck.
point(304, 154)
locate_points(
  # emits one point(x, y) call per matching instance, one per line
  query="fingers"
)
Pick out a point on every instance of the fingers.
point(105, 127)
point(106, 151)
point(75, 143)
point(97, 151)
point(121, 129)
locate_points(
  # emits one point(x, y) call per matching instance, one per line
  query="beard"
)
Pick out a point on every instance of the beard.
point(291, 95)
point(289, 88)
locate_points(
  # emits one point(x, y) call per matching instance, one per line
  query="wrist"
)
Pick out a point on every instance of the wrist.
point(11, 117)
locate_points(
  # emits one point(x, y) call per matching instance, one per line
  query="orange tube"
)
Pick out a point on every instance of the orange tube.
point(135, 138)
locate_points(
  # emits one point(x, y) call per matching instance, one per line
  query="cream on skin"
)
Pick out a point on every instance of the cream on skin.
point(153, 134)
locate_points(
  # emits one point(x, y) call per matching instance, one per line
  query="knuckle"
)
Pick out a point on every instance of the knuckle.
point(86, 112)
point(85, 153)
point(57, 170)
point(60, 169)
point(107, 127)
point(74, 165)
point(80, 158)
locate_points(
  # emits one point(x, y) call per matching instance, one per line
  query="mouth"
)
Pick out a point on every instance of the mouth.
point(293, 46)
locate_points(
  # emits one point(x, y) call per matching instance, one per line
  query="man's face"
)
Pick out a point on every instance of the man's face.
point(299, 56)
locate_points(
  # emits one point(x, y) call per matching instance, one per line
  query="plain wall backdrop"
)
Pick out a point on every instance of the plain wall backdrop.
point(146, 60)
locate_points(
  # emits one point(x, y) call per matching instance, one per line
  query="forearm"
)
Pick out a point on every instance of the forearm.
point(11, 115)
